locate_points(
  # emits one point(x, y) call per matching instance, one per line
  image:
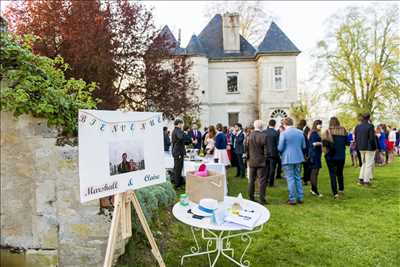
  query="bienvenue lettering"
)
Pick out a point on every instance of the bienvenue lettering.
point(92, 190)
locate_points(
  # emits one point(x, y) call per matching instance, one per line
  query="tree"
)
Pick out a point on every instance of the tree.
point(300, 110)
point(89, 49)
point(78, 31)
point(348, 119)
point(109, 42)
point(134, 31)
point(361, 57)
point(36, 85)
point(190, 119)
point(152, 77)
point(254, 20)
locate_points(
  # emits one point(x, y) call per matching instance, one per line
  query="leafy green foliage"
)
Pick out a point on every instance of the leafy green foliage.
point(36, 85)
point(299, 111)
point(348, 119)
point(190, 119)
point(153, 198)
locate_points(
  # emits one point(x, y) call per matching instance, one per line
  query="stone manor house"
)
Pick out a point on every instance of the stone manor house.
point(238, 82)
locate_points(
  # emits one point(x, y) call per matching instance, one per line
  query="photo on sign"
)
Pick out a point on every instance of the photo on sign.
point(126, 156)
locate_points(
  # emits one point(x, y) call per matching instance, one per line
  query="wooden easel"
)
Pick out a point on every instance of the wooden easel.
point(122, 217)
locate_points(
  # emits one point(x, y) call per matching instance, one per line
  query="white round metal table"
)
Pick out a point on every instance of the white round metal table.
point(218, 237)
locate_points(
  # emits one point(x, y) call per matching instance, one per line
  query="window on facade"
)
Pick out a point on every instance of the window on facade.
point(278, 78)
point(233, 118)
point(232, 82)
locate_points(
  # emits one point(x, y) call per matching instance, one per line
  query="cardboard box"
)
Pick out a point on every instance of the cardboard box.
point(198, 187)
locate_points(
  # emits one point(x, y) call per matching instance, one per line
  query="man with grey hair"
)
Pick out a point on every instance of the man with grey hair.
point(256, 149)
point(291, 145)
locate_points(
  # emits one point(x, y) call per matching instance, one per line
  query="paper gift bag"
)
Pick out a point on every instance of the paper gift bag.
point(198, 187)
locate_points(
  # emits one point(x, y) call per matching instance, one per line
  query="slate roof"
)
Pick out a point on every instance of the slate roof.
point(170, 38)
point(276, 41)
point(211, 39)
point(195, 47)
point(210, 42)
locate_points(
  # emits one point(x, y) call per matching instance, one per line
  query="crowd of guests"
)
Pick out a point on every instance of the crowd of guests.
point(263, 152)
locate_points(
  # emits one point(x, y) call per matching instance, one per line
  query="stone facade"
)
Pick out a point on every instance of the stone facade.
point(40, 208)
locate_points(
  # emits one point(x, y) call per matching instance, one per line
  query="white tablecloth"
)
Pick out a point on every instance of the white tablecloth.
point(168, 160)
point(181, 213)
point(194, 166)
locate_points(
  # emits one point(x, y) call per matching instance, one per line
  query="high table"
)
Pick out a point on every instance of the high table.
point(219, 237)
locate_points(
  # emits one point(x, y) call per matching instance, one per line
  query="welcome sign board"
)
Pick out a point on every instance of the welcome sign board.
point(119, 151)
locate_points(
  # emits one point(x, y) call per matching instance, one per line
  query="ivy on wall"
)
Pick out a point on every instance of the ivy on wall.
point(36, 85)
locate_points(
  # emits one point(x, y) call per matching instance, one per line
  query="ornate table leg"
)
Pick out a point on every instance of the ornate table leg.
point(245, 237)
point(228, 245)
point(219, 246)
point(196, 250)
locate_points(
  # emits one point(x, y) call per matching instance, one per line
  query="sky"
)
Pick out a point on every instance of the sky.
point(301, 21)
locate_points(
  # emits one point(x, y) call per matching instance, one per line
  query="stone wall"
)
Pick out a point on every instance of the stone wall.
point(40, 208)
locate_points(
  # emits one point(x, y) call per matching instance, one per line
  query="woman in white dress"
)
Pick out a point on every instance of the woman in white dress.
point(220, 153)
point(210, 143)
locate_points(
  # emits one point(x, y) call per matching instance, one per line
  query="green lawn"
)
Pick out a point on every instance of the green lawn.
point(360, 229)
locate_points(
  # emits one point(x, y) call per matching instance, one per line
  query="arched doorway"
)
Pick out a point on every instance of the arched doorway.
point(278, 115)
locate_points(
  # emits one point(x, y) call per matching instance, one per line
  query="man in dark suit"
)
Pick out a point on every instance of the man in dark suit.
point(195, 136)
point(366, 143)
point(124, 165)
point(178, 152)
point(167, 140)
point(272, 140)
point(256, 150)
point(238, 149)
point(187, 140)
point(302, 126)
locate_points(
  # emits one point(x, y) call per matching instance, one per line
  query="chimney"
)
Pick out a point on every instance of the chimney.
point(230, 28)
point(179, 36)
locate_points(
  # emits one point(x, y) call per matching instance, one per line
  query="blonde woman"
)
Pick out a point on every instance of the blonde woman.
point(335, 141)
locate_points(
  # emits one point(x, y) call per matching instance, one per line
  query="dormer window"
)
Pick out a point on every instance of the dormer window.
point(232, 82)
point(278, 78)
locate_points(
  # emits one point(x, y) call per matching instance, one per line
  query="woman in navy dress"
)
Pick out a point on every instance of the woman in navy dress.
point(315, 154)
point(220, 153)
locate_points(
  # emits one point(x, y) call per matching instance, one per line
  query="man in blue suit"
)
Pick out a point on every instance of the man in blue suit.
point(291, 145)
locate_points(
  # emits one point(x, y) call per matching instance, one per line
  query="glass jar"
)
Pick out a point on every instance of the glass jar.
point(184, 199)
